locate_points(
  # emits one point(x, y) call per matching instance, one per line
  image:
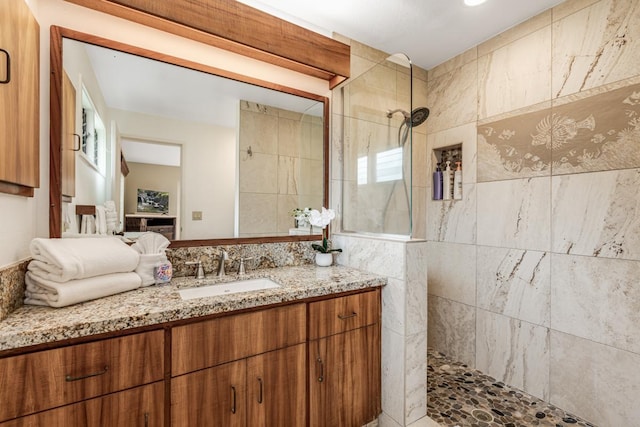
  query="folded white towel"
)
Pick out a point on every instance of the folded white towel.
point(151, 243)
point(61, 260)
point(41, 291)
point(101, 220)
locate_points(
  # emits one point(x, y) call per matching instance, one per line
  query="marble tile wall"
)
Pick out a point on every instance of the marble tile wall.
point(533, 275)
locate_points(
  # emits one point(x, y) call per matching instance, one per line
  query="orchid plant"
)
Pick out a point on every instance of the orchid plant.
point(322, 219)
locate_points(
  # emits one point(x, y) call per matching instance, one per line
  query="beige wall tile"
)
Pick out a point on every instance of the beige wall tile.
point(511, 35)
point(258, 131)
point(289, 179)
point(595, 46)
point(258, 173)
point(453, 63)
point(264, 222)
point(568, 7)
point(452, 98)
point(516, 75)
point(452, 329)
point(452, 271)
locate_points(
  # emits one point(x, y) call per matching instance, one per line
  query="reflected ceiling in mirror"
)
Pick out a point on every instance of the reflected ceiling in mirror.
point(231, 158)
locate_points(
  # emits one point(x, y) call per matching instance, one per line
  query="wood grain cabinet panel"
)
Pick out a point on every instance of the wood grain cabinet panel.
point(38, 381)
point(214, 397)
point(70, 142)
point(342, 314)
point(142, 406)
point(276, 388)
point(19, 97)
point(344, 378)
point(229, 338)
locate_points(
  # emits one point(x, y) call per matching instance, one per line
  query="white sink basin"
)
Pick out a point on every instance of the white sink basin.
point(228, 288)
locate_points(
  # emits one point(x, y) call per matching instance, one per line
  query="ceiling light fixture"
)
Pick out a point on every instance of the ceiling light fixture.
point(473, 2)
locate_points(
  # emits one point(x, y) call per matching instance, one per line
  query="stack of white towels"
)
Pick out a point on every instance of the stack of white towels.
point(69, 271)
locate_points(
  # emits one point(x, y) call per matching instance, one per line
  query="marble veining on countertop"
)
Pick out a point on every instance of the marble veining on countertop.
point(31, 325)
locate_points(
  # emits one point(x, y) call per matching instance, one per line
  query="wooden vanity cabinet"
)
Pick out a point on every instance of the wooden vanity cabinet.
point(19, 98)
point(344, 361)
point(50, 379)
point(241, 370)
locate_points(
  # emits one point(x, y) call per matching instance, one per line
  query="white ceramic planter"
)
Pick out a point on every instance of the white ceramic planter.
point(324, 260)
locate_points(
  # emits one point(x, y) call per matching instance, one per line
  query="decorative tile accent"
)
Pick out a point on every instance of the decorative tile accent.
point(452, 329)
point(601, 132)
point(597, 214)
point(12, 287)
point(515, 214)
point(514, 352)
point(595, 46)
point(515, 283)
point(597, 299)
point(508, 149)
point(463, 397)
point(599, 382)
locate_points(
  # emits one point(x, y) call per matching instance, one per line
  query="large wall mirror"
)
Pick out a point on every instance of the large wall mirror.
point(164, 144)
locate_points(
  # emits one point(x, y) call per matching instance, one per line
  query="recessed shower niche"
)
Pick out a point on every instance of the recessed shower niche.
point(447, 173)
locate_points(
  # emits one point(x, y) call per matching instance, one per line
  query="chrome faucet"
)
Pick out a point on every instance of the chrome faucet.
point(241, 269)
point(199, 273)
point(222, 257)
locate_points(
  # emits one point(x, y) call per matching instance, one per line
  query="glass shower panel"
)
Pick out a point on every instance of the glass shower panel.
point(377, 149)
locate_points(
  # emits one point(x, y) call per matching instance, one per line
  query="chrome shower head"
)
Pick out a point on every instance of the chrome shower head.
point(390, 113)
point(418, 116)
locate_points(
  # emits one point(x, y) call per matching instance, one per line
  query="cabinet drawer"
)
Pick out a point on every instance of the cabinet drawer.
point(337, 315)
point(142, 406)
point(213, 342)
point(46, 379)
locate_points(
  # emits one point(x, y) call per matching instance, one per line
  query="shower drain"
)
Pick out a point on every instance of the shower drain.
point(481, 415)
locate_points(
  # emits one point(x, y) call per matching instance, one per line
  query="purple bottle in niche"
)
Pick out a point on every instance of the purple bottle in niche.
point(437, 183)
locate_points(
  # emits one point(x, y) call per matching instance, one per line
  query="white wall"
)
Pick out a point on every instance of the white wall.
point(208, 169)
point(22, 219)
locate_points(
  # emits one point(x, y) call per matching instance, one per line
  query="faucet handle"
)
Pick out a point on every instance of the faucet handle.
point(199, 274)
point(241, 269)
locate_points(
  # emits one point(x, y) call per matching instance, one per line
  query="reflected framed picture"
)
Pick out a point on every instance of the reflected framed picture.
point(151, 201)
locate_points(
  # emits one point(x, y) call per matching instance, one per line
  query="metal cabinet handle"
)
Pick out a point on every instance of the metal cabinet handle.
point(321, 376)
point(260, 393)
point(233, 400)
point(69, 378)
point(347, 316)
point(8, 78)
point(79, 142)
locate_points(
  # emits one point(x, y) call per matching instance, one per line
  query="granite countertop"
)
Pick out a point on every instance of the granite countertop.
point(30, 325)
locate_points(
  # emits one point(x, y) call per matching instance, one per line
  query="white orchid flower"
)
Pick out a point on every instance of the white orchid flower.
point(321, 219)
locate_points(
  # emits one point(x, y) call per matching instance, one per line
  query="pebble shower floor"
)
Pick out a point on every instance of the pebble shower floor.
point(460, 396)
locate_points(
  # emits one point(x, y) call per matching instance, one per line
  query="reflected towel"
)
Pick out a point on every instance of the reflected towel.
point(88, 224)
point(101, 220)
point(61, 260)
point(41, 291)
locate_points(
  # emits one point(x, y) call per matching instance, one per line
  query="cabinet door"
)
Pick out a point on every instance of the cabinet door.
point(19, 97)
point(211, 397)
point(344, 378)
point(69, 140)
point(276, 388)
point(142, 406)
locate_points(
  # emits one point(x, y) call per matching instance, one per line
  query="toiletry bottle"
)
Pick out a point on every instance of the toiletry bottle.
point(457, 182)
point(437, 183)
point(446, 182)
point(162, 272)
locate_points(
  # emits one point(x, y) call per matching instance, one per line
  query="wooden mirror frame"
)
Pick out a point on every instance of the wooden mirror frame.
point(55, 128)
